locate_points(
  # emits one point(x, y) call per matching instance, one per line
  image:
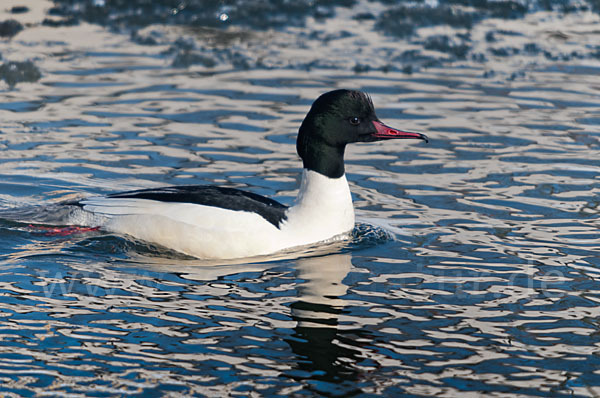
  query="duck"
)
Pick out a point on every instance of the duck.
point(213, 222)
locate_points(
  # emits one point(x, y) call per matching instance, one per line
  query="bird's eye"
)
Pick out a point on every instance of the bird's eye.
point(355, 121)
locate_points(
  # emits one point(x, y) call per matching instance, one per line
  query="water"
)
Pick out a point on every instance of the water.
point(474, 268)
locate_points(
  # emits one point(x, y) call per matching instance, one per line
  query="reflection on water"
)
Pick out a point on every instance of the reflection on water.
point(316, 340)
point(474, 268)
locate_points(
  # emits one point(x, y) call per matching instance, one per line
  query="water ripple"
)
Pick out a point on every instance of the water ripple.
point(473, 267)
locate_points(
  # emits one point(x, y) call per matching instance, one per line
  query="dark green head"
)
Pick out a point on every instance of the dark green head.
point(335, 119)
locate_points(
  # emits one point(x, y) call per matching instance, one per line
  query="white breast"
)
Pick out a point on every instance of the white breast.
point(323, 209)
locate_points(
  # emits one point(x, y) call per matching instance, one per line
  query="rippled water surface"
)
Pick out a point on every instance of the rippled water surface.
point(475, 264)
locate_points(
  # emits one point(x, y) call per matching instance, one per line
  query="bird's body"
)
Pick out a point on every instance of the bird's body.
point(322, 211)
point(226, 223)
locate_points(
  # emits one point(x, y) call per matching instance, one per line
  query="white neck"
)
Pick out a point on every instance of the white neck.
point(323, 208)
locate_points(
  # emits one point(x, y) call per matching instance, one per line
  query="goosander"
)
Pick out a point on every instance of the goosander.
point(226, 223)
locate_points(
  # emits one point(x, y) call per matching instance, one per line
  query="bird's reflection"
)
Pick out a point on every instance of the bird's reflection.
point(322, 350)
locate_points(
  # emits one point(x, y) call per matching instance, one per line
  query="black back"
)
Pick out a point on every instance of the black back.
point(225, 198)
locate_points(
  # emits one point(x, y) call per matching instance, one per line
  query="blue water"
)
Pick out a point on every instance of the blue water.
point(473, 268)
